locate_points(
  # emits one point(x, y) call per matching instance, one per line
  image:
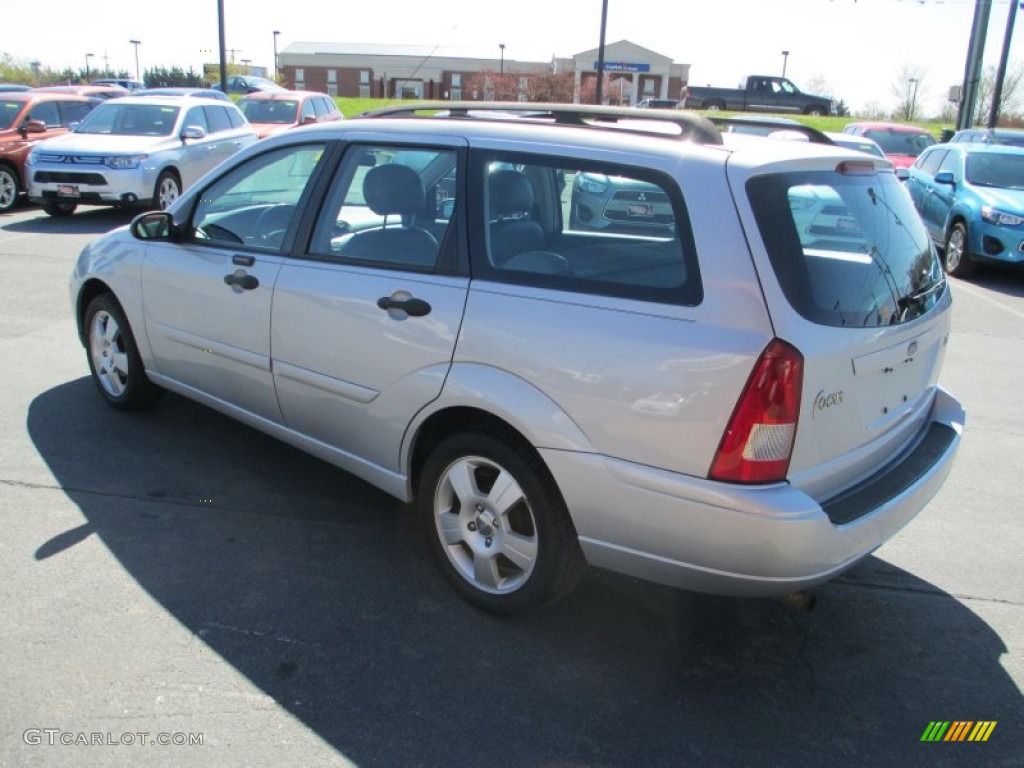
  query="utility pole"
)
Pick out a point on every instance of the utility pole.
point(136, 43)
point(997, 91)
point(223, 57)
point(599, 97)
point(972, 71)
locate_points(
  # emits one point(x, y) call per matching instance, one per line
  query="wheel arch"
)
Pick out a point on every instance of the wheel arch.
point(92, 288)
point(9, 166)
point(479, 397)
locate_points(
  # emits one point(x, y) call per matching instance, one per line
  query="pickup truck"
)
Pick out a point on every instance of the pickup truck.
point(762, 93)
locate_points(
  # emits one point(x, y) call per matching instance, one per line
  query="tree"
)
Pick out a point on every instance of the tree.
point(1009, 99)
point(554, 87)
point(909, 90)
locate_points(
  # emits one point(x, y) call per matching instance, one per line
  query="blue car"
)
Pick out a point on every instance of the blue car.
point(971, 198)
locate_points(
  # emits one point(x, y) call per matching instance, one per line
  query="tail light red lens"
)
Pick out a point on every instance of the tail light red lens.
point(758, 442)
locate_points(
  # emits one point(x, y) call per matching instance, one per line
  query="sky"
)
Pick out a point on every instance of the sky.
point(858, 47)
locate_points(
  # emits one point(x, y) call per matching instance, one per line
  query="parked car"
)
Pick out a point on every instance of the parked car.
point(14, 87)
point(91, 91)
point(27, 118)
point(901, 143)
point(248, 84)
point(858, 143)
point(1005, 136)
point(971, 198)
point(758, 93)
point(657, 104)
point(271, 112)
point(199, 93)
point(136, 151)
point(127, 84)
point(717, 403)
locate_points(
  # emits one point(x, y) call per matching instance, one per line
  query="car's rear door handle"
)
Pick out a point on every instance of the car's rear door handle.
point(412, 307)
point(243, 281)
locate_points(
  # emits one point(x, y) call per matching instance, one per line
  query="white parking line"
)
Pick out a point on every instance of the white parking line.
point(961, 286)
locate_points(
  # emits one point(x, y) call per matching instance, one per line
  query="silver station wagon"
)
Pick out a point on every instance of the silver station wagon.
point(721, 375)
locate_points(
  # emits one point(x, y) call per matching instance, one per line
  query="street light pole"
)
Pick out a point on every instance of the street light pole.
point(136, 43)
point(87, 57)
point(221, 46)
point(276, 70)
point(501, 66)
point(785, 58)
point(913, 98)
point(599, 93)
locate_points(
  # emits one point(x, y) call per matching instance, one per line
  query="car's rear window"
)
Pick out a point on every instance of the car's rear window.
point(849, 249)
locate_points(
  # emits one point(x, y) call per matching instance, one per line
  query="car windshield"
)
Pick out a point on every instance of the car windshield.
point(901, 142)
point(269, 110)
point(849, 249)
point(995, 169)
point(9, 111)
point(130, 120)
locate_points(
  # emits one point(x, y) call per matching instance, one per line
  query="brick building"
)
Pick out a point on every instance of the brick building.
point(632, 73)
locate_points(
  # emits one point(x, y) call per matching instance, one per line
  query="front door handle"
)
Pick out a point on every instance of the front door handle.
point(242, 280)
point(412, 307)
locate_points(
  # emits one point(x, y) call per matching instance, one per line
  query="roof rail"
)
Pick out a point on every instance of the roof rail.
point(692, 127)
point(770, 125)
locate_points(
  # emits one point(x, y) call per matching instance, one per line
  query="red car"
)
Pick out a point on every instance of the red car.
point(272, 112)
point(26, 118)
point(901, 143)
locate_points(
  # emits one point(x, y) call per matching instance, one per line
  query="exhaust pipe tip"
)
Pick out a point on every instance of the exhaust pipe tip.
point(800, 601)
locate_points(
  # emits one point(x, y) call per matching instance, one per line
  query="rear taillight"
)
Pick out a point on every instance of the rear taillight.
point(758, 442)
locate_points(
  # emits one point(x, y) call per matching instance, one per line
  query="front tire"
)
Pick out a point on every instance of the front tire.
point(8, 189)
point(167, 190)
point(497, 524)
point(956, 257)
point(114, 359)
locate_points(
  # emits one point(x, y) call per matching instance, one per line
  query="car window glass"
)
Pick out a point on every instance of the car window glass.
point(217, 119)
point(48, 112)
point(604, 230)
point(389, 206)
point(255, 203)
point(73, 111)
point(929, 162)
point(951, 162)
point(319, 106)
point(307, 109)
point(993, 169)
point(130, 120)
point(849, 249)
point(196, 118)
point(9, 111)
point(237, 118)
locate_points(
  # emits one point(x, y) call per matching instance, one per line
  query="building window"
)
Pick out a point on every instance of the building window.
point(332, 75)
point(332, 89)
point(456, 94)
point(300, 79)
point(364, 77)
point(648, 86)
point(523, 83)
point(364, 91)
point(456, 80)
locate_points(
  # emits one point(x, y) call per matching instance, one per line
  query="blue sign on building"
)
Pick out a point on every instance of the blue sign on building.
point(619, 66)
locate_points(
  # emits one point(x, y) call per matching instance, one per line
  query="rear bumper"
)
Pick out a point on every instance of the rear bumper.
point(746, 540)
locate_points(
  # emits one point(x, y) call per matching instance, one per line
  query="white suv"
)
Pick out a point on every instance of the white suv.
point(140, 151)
point(729, 385)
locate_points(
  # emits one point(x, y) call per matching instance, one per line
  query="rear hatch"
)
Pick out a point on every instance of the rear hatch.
point(851, 281)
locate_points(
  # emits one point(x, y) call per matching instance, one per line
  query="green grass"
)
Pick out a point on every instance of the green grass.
point(350, 107)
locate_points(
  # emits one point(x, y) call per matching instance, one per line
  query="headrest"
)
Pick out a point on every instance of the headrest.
point(393, 189)
point(510, 192)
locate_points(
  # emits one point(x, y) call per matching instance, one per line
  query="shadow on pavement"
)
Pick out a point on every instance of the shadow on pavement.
point(1005, 278)
point(86, 221)
point(321, 591)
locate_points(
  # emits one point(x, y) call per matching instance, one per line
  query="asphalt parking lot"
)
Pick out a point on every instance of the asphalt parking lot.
point(174, 576)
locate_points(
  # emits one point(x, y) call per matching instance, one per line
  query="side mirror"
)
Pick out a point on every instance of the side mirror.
point(945, 177)
point(308, 120)
point(33, 126)
point(193, 132)
point(154, 225)
point(902, 174)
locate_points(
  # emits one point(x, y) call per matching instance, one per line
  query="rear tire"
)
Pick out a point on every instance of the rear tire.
point(114, 359)
point(497, 524)
point(956, 257)
point(714, 106)
point(814, 111)
point(59, 208)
